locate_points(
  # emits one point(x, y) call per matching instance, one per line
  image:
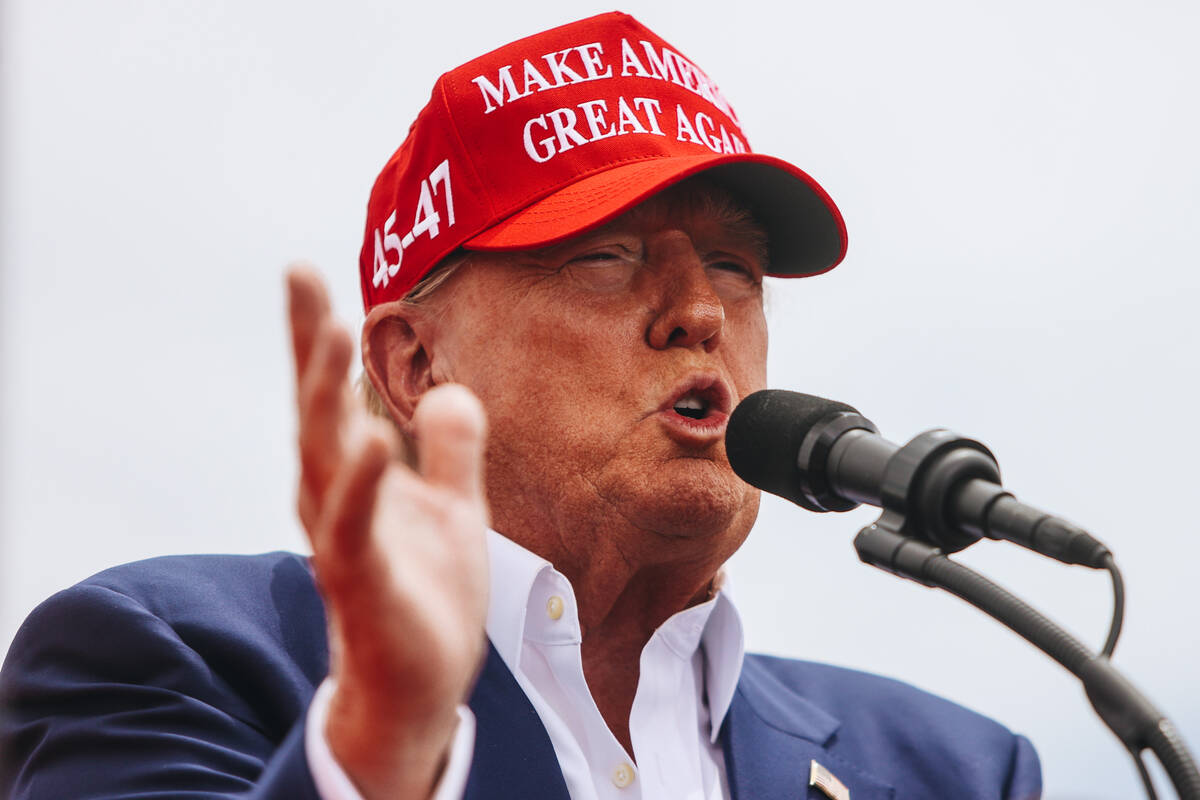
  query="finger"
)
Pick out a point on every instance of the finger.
point(308, 308)
point(346, 521)
point(323, 406)
point(450, 428)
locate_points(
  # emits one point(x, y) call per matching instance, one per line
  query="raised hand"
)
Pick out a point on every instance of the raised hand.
point(399, 555)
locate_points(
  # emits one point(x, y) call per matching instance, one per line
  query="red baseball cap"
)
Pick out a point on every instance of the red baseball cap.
point(560, 132)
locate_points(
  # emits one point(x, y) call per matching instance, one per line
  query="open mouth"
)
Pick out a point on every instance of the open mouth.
point(701, 399)
point(692, 405)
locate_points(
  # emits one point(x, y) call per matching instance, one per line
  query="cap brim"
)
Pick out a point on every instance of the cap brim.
point(805, 231)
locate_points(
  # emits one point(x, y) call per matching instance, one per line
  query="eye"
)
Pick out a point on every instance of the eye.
point(605, 269)
point(732, 266)
point(733, 276)
point(598, 259)
point(728, 269)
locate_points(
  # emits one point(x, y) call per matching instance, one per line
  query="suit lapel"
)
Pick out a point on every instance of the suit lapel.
point(513, 753)
point(771, 736)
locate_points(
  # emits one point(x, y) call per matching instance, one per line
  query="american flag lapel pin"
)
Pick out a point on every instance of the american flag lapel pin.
point(827, 782)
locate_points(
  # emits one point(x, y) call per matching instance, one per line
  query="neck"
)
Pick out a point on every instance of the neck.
point(627, 581)
point(620, 608)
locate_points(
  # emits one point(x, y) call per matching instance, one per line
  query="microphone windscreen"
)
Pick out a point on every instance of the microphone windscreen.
point(764, 435)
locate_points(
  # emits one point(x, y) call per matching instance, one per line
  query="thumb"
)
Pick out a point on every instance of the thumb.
point(450, 428)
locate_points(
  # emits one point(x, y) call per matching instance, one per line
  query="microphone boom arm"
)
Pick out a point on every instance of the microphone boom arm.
point(940, 493)
point(1126, 712)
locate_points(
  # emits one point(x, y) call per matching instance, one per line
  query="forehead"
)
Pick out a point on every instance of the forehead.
point(698, 204)
point(699, 200)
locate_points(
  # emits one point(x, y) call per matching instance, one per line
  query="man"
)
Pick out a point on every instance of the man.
point(589, 233)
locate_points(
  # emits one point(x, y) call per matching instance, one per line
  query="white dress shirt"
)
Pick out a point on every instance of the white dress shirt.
point(688, 672)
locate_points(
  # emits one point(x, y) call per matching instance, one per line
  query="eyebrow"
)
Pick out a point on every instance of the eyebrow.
point(690, 196)
point(697, 196)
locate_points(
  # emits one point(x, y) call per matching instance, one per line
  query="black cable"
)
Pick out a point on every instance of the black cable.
point(1117, 702)
point(1005, 607)
point(1118, 615)
point(1141, 768)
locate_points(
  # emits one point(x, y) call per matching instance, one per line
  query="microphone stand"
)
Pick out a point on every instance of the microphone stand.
point(1125, 711)
point(941, 493)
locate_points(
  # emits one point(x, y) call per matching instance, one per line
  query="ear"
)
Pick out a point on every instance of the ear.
point(396, 358)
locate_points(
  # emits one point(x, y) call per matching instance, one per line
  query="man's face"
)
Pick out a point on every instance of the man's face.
point(608, 366)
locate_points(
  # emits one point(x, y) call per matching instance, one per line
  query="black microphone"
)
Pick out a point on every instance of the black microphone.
point(825, 456)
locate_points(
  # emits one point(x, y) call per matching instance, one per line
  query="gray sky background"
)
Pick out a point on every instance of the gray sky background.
point(1022, 189)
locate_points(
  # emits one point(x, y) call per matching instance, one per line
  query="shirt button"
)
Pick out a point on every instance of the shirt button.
point(554, 607)
point(622, 776)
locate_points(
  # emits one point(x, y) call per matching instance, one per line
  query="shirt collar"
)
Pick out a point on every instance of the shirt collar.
point(522, 583)
point(512, 573)
point(723, 644)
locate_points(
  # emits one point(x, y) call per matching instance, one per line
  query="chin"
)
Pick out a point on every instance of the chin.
point(696, 499)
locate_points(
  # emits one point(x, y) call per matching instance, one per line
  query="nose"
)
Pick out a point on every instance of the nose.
point(688, 311)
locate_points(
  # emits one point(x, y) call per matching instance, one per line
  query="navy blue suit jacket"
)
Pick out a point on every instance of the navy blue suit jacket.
point(189, 676)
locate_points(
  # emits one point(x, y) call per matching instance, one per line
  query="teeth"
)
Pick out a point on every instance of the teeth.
point(691, 405)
